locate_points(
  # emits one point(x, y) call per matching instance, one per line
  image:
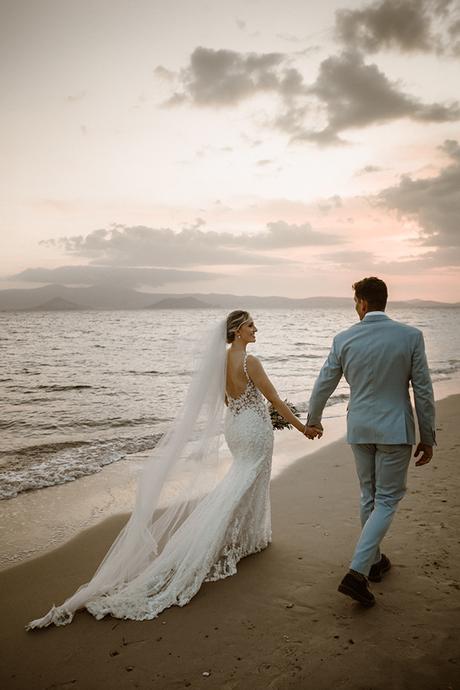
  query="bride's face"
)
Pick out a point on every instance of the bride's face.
point(248, 332)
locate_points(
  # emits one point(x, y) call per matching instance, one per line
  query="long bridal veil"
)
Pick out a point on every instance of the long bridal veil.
point(182, 470)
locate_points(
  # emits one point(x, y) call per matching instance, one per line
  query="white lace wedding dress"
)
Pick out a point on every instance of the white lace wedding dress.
point(157, 562)
point(232, 522)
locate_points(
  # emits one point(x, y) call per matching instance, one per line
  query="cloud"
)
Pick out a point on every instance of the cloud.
point(350, 259)
point(355, 94)
point(430, 203)
point(143, 246)
point(441, 257)
point(333, 202)
point(226, 78)
point(407, 25)
point(74, 98)
point(386, 24)
point(120, 276)
point(368, 169)
point(434, 203)
point(455, 34)
point(454, 29)
point(290, 38)
point(348, 93)
point(366, 262)
point(292, 120)
point(163, 73)
point(281, 235)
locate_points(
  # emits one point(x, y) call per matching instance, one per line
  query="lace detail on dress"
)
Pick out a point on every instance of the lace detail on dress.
point(250, 398)
point(243, 538)
point(245, 366)
point(58, 615)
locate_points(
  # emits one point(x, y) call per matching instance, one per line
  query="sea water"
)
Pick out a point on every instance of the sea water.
point(81, 390)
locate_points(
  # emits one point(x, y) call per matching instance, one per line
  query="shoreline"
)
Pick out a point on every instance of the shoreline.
point(37, 522)
point(279, 623)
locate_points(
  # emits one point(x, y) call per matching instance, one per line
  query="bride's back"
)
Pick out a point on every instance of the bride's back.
point(237, 380)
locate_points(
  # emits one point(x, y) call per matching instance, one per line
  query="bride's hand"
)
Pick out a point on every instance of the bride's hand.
point(312, 432)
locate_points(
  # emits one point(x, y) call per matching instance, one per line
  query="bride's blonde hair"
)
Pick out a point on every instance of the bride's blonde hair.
point(234, 321)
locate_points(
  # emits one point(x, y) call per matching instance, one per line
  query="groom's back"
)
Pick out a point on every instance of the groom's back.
point(376, 356)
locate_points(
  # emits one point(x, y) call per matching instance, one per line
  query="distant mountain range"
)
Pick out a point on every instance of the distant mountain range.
point(180, 303)
point(108, 297)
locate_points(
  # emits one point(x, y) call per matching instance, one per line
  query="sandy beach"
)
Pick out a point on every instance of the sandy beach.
point(280, 622)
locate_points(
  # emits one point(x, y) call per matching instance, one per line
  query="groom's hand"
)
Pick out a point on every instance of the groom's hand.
point(313, 431)
point(427, 454)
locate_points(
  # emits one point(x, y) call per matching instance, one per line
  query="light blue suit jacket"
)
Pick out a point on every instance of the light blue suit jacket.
point(379, 357)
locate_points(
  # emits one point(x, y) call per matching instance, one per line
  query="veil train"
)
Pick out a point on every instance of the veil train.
point(175, 481)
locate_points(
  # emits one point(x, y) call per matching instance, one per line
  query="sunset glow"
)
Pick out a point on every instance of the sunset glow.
point(264, 147)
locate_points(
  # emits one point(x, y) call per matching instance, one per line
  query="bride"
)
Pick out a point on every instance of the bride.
point(197, 510)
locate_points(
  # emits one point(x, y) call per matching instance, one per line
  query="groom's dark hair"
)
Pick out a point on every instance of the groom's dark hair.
point(374, 291)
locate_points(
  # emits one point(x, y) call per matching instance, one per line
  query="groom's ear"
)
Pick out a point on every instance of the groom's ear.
point(362, 306)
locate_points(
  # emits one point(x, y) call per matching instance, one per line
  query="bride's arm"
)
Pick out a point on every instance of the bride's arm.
point(266, 387)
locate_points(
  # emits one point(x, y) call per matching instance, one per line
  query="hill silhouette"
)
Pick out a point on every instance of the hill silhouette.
point(55, 297)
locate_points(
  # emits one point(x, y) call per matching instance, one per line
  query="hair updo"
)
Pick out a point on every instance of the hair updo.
point(234, 321)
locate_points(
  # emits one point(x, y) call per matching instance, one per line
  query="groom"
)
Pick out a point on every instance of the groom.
point(378, 358)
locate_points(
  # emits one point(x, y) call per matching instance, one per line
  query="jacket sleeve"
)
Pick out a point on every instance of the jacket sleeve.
point(325, 385)
point(423, 394)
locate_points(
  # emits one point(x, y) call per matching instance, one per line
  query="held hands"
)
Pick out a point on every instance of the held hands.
point(312, 432)
point(427, 454)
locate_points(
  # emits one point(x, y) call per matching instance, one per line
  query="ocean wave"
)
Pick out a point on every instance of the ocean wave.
point(81, 424)
point(154, 372)
point(288, 358)
point(338, 398)
point(38, 467)
point(445, 370)
point(115, 422)
point(143, 373)
point(11, 424)
point(306, 356)
point(57, 387)
point(28, 401)
point(302, 406)
point(40, 449)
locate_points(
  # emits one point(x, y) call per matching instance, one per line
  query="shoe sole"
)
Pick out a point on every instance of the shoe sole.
point(368, 603)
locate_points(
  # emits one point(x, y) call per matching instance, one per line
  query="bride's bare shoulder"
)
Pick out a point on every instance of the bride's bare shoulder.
point(253, 363)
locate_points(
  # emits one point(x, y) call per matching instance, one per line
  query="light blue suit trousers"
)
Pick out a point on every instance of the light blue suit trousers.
point(382, 473)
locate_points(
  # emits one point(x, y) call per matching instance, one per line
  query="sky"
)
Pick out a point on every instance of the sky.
point(256, 147)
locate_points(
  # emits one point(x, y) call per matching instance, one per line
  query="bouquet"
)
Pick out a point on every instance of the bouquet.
point(278, 422)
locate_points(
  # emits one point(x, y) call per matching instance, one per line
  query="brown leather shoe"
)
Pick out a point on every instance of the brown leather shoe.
point(355, 585)
point(379, 569)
